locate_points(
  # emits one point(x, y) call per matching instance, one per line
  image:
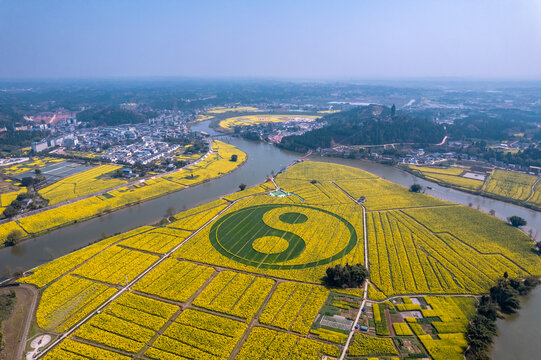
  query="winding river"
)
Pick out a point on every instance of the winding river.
point(515, 332)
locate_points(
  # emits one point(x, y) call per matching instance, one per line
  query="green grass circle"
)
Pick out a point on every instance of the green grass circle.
point(233, 234)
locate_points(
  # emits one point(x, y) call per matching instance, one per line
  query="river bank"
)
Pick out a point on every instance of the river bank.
point(50, 219)
point(474, 192)
point(263, 160)
point(518, 333)
point(36, 251)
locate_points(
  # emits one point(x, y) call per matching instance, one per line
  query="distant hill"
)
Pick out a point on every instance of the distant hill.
point(368, 125)
point(110, 117)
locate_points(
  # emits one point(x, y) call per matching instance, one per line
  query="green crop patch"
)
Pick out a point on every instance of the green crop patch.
point(293, 218)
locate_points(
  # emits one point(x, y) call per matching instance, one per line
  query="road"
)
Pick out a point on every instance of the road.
point(366, 283)
point(443, 141)
point(70, 331)
point(17, 325)
point(532, 189)
point(101, 192)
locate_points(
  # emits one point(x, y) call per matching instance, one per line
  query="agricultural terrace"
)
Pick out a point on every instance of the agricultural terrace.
point(514, 185)
point(453, 176)
point(216, 164)
point(502, 184)
point(81, 184)
point(222, 109)
point(241, 277)
point(250, 120)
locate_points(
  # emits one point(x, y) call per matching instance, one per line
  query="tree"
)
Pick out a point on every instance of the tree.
point(488, 308)
point(170, 211)
point(516, 221)
point(234, 158)
point(351, 276)
point(10, 211)
point(37, 171)
point(13, 237)
point(415, 188)
point(479, 335)
point(242, 187)
point(22, 196)
point(27, 181)
point(506, 296)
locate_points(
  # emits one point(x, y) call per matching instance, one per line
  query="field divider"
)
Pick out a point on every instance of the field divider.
point(253, 322)
point(466, 244)
point(159, 332)
point(101, 346)
point(70, 331)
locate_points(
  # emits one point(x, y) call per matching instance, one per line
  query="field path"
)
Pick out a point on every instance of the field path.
point(18, 323)
point(126, 288)
point(101, 192)
point(532, 189)
point(254, 322)
point(366, 283)
point(129, 286)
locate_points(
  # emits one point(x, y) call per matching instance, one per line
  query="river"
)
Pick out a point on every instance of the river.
point(262, 160)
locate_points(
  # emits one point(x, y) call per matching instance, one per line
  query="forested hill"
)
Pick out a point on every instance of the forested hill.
point(369, 125)
point(110, 117)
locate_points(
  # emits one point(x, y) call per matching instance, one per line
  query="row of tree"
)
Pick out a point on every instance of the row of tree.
point(504, 298)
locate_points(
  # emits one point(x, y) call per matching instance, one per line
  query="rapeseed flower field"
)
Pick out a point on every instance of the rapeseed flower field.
point(241, 277)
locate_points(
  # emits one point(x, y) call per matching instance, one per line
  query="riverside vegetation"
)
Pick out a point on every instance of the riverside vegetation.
point(242, 276)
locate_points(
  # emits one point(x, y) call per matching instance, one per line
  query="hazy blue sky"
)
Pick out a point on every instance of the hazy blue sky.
point(275, 38)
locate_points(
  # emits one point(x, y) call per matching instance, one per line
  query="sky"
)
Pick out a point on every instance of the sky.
point(300, 39)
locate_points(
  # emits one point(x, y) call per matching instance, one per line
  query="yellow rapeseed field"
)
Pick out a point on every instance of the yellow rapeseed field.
point(81, 184)
point(221, 109)
point(215, 165)
point(248, 120)
point(255, 272)
point(510, 184)
point(30, 165)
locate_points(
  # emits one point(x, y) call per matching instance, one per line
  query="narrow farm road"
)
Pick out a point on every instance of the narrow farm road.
point(17, 325)
point(70, 331)
point(532, 189)
point(366, 283)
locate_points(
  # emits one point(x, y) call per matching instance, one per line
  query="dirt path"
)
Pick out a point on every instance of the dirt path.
point(254, 322)
point(532, 189)
point(443, 141)
point(69, 332)
point(16, 327)
point(366, 283)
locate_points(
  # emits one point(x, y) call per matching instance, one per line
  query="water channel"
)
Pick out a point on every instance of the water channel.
point(262, 160)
